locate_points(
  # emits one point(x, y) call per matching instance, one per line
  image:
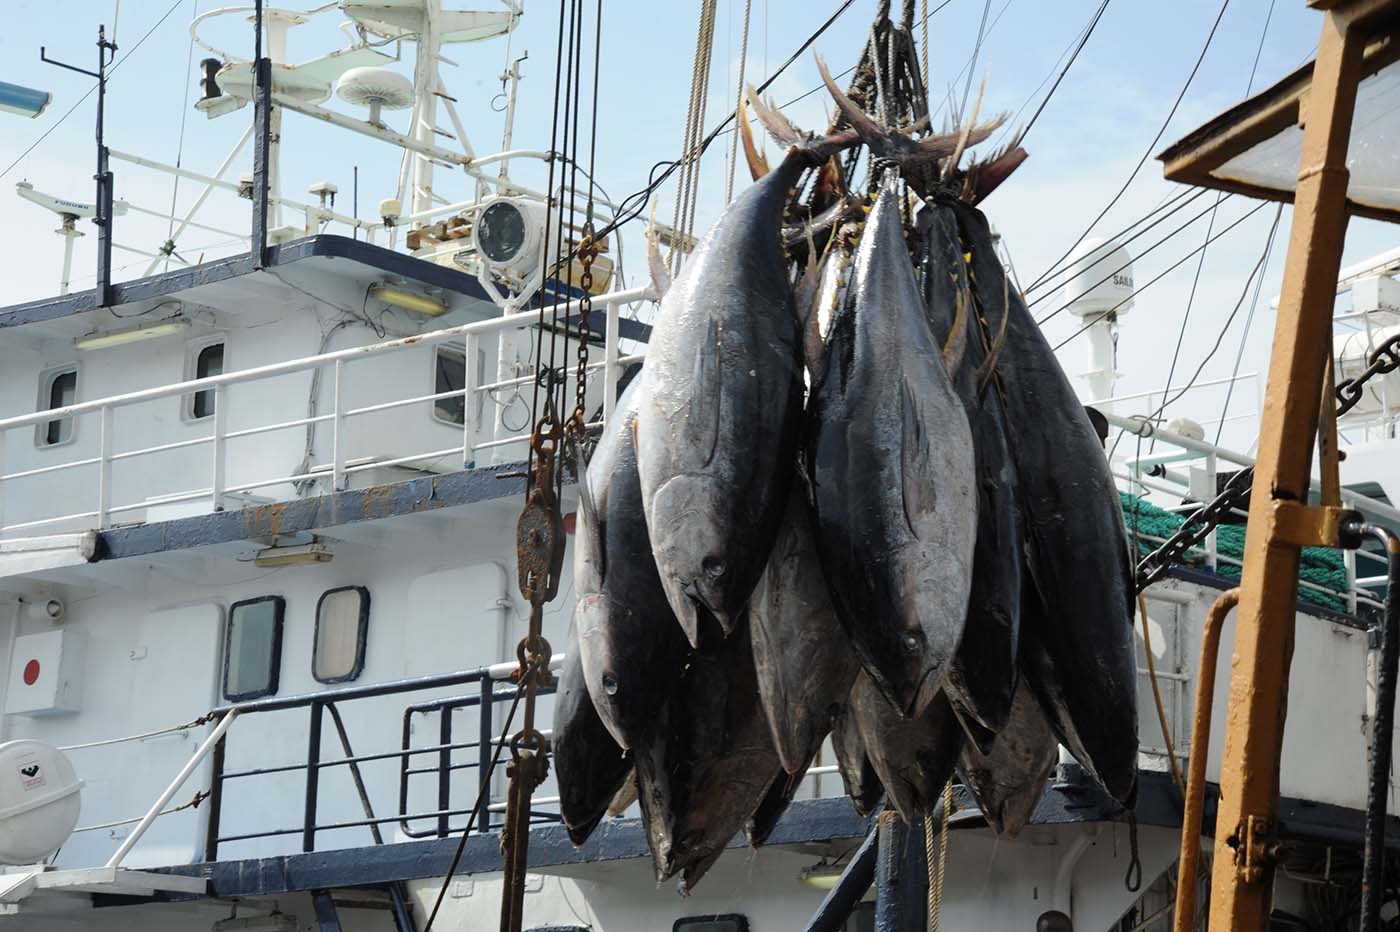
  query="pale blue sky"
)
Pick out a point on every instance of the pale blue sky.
point(1097, 126)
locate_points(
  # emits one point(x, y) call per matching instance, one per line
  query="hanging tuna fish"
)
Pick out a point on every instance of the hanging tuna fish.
point(722, 396)
point(893, 477)
point(631, 648)
point(1080, 660)
point(591, 768)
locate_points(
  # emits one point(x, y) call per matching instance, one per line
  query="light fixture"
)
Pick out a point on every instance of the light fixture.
point(408, 300)
point(822, 875)
point(300, 555)
point(105, 339)
point(24, 101)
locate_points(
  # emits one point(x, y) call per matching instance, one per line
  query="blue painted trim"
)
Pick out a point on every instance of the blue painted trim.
point(218, 270)
point(411, 496)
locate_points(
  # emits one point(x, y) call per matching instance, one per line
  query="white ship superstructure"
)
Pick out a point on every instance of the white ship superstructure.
point(258, 572)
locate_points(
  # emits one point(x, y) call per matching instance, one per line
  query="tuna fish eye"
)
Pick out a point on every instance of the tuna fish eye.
point(912, 643)
point(713, 566)
point(609, 684)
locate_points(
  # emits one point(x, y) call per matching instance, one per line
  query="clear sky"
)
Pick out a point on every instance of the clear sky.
point(1098, 125)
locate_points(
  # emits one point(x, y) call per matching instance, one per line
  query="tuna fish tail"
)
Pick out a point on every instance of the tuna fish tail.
point(986, 175)
point(793, 138)
point(896, 144)
point(656, 266)
point(758, 162)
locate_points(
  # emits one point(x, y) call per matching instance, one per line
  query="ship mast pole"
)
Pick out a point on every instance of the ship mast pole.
point(425, 107)
point(1242, 879)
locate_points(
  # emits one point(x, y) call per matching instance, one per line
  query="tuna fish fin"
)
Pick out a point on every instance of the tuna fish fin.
point(795, 139)
point(955, 348)
point(702, 421)
point(951, 165)
point(918, 494)
point(987, 370)
point(656, 265)
point(758, 162)
point(984, 176)
point(895, 144)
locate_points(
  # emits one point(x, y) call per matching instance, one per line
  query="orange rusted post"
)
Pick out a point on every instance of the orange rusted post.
point(1242, 876)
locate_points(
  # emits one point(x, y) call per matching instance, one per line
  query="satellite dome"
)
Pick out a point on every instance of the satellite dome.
point(376, 88)
point(1101, 279)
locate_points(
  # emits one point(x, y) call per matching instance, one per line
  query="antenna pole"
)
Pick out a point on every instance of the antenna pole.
point(262, 137)
point(106, 51)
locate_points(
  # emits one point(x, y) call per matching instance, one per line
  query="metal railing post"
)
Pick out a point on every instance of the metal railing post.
point(313, 779)
point(214, 738)
point(444, 798)
point(104, 468)
point(216, 799)
point(470, 422)
point(1212, 482)
point(610, 367)
point(485, 737)
point(216, 486)
point(338, 430)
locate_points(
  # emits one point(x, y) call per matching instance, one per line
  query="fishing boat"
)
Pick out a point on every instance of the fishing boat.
point(259, 574)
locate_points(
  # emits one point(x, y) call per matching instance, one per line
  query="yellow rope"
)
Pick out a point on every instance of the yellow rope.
point(924, 10)
point(689, 184)
point(1157, 698)
point(937, 869)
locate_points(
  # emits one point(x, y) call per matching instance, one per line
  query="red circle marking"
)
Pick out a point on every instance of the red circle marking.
point(31, 672)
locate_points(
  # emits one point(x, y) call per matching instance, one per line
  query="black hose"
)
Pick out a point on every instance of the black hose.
point(1382, 734)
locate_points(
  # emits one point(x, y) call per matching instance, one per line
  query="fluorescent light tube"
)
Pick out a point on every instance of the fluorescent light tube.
point(408, 300)
point(103, 340)
point(302, 555)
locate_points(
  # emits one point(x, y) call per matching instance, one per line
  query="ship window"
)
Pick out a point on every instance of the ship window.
point(450, 375)
point(253, 648)
point(730, 922)
point(203, 359)
point(58, 388)
point(342, 621)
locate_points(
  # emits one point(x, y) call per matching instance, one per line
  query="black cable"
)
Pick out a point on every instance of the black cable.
point(1155, 139)
point(1249, 282)
point(1098, 14)
point(638, 199)
point(1150, 249)
point(976, 51)
point(1177, 201)
point(115, 65)
point(1171, 268)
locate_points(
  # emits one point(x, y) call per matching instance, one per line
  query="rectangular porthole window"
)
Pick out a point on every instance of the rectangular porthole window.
point(58, 388)
point(729, 922)
point(253, 648)
point(203, 359)
point(450, 375)
point(342, 622)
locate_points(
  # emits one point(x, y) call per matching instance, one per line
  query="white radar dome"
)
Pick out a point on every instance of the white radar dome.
point(1100, 279)
point(376, 88)
point(38, 801)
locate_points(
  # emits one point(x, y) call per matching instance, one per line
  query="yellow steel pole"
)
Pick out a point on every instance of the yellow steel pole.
point(1249, 775)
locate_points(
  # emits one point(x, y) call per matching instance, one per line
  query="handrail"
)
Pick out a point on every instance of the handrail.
point(432, 337)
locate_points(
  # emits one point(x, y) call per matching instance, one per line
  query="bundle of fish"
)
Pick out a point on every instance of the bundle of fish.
point(852, 494)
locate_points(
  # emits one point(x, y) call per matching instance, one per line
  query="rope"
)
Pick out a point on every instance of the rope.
point(936, 872)
point(924, 42)
point(1157, 698)
point(192, 803)
point(738, 101)
point(203, 719)
point(694, 122)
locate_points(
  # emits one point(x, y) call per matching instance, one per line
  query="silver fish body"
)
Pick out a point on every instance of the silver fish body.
point(588, 764)
point(718, 421)
point(631, 647)
point(983, 675)
point(891, 460)
point(804, 660)
point(1078, 651)
point(914, 756)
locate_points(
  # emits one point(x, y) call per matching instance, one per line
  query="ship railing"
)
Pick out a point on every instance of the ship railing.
point(103, 509)
point(1181, 473)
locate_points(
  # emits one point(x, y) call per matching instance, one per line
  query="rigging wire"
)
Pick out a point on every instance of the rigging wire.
point(1201, 262)
point(976, 53)
point(1150, 146)
point(1249, 283)
point(1171, 268)
point(180, 147)
point(90, 91)
point(1176, 232)
point(1084, 39)
point(738, 98)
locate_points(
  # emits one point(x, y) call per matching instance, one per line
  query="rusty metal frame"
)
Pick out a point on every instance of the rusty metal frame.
point(1358, 38)
point(1192, 159)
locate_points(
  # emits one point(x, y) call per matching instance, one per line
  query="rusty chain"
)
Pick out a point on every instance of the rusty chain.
point(587, 252)
point(1384, 359)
